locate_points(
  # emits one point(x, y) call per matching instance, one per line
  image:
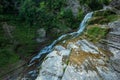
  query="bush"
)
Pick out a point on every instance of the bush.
point(10, 6)
point(7, 54)
point(55, 5)
point(80, 15)
point(28, 11)
point(103, 17)
point(95, 33)
point(7, 57)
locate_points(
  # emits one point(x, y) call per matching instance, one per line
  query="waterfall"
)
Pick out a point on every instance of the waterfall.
point(83, 23)
point(49, 48)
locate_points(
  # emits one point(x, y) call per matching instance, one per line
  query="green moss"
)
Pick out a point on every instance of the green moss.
point(103, 17)
point(80, 15)
point(113, 17)
point(95, 33)
point(103, 13)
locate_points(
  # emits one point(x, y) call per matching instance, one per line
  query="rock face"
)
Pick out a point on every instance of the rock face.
point(53, 67)
point(114, 34)
point(8, 30)
point(77, 60)
point(41, 35)
point(114, 45)
point(80, 59)
point(74, 6)
point(115, 4)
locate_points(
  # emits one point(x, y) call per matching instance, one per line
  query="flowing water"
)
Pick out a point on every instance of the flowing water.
point(49, 48)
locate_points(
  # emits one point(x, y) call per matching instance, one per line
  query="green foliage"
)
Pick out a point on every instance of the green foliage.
point(103, 17)
point(67, 19)
point(7, 57)
point(55, 5)
point(7, 54)
point(25, 37)
point(8, 17)
point(23, 44)
point(95, 33)
point(48, 14)
point(28, 11)
point(103, 13)
point(10, 6)
point(80, 15)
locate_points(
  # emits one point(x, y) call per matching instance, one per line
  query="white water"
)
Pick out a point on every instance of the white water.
point(49, 48)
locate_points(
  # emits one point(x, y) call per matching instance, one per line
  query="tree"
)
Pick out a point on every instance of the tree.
point(10, 6)
point(27, 11)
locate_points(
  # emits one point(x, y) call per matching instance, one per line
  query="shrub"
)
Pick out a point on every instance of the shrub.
point(28, 11)
point(10, 6)
point(95, 33)
point(7, 54)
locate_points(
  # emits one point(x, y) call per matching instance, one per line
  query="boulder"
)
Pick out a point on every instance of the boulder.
point(74, 5)
point(115, 4)
point(41, 35)
point(53, 66)
point(8, 30)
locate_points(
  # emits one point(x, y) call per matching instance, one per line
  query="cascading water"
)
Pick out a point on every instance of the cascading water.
point(49, 48)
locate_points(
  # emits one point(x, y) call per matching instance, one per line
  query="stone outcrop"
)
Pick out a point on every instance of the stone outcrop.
point(41, 35)
point(80, 59)
point(74, 5)
point(115, 4)
point(114, 45)
point(77, 60)
point(8, 30)
point(114, 34)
